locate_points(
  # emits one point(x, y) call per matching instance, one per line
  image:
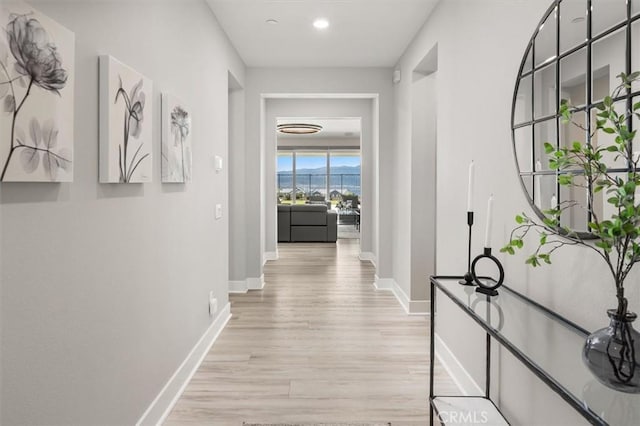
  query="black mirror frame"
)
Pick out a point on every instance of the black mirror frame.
point(556, 7)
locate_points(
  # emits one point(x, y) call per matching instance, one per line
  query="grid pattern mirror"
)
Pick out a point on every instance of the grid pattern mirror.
point(576, 54)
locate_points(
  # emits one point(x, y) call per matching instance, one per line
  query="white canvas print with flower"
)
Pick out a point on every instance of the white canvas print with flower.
point(36, 96)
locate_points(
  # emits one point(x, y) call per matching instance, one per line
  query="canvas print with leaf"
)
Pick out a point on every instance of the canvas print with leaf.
point(36, 96)
point(125, 123)
point(176, 140)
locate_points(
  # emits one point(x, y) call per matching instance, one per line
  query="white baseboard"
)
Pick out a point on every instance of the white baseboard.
point(162, 405)
point(456, 371)
point(411, 307)
point(270, 255)
point(255, 283)
point(238, 287)
point(383, 283)
point(246, 285)
point(367, 256)
point(401, 296)
point(419, 307)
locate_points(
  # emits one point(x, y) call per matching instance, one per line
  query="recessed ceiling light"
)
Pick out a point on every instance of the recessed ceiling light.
point(271, 21)
point(321, 23)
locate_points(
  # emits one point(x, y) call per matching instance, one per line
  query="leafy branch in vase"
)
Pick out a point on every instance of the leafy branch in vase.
point(618, 235)
point(133, 117)
point(38, 62)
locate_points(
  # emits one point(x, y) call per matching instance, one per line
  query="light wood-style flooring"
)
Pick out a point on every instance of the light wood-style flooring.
point(318, 344)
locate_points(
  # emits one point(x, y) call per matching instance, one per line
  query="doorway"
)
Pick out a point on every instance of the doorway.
point(322, 167)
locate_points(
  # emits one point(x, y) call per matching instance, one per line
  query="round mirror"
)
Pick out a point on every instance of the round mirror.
point(576, 53)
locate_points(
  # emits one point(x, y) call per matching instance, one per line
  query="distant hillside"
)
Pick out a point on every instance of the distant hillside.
point(340, 170)
point(343, 178)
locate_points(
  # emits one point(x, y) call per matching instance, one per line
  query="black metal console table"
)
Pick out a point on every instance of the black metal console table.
point(519, 324)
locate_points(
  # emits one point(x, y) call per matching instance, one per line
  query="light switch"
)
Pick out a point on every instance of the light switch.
point(218, 211)
point(218, 163)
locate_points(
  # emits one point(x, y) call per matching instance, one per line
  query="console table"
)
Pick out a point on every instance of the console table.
point(520, 325)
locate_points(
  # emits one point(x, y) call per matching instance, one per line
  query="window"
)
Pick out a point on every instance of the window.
point(285, 177)
point(317, 176)
point(345, 173)
point(311, 175)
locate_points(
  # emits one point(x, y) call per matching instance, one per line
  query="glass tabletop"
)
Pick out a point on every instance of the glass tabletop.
point(547, 341)
point(348, 212)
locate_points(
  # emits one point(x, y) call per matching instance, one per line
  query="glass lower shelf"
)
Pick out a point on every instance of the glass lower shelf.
point(467, 411)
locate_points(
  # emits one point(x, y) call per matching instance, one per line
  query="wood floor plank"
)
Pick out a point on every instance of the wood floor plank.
point(317, 344)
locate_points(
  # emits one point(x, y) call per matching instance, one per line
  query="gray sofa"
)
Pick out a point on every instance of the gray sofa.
point(309, 222)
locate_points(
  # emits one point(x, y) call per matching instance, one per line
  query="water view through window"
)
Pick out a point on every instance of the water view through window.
point(317, 176)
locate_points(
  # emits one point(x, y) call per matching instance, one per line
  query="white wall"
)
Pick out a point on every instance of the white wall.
point(477, 69)
point(315, 81)
point(235, 167)
point(105, 287)
point(422, 188)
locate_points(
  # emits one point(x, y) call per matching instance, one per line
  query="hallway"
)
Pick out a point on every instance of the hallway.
point(318, 344)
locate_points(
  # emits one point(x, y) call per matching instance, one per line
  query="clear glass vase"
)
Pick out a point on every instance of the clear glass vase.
point(613, 354)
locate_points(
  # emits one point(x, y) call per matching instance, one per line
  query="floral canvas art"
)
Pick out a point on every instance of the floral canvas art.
point(36, 96)
point(125, 123)
point(176, 140)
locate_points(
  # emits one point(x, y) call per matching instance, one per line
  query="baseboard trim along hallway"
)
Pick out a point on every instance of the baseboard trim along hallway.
point(246, 285)
point(270, 256)
point(238, 286)
point(171, 392)
point(367, 256)
point(411, 307)
point(454, 367)
point(255, 283)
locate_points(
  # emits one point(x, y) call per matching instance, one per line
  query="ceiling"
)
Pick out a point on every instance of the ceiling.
point(362, 33)
point(331, 128)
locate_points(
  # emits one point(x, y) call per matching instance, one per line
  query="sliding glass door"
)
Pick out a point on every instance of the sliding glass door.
point(345, 173)
point(311, 176)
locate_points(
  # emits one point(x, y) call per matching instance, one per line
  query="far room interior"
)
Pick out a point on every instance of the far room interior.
point(319, 164)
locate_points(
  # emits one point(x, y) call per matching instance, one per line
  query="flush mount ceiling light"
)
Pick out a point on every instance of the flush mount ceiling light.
point(578, 20)
point(271, 21)
point(298, 128)
point(321, 23)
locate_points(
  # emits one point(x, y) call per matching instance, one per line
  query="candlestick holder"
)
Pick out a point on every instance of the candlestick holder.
point(468, 278)
point(490, 290)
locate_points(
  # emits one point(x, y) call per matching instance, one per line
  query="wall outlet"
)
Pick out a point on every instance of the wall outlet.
point(218, 211)
point(213, 304)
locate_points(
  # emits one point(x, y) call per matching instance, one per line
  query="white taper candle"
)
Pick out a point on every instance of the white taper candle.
point(470, 193)
point(487, 236)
